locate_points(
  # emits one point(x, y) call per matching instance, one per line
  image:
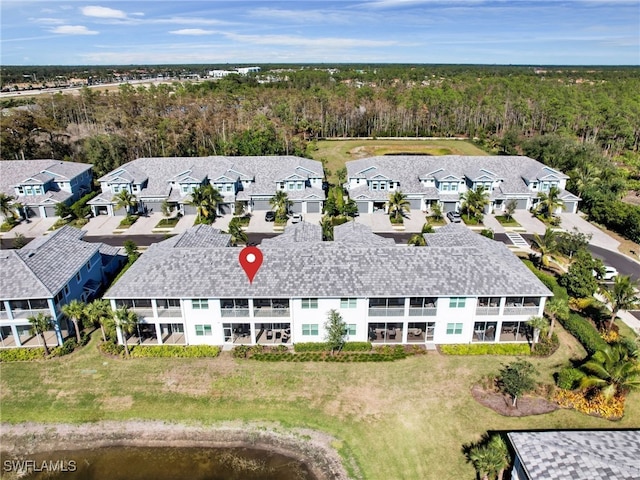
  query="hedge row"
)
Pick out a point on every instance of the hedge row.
point(326, 357)
point(21, 354)
point(584, 332)
point(175, 351)
point(487, 349)
point(549, 281)
point(324, 347)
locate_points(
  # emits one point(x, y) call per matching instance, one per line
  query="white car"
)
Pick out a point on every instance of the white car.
point(296, 218)
point(609, 273)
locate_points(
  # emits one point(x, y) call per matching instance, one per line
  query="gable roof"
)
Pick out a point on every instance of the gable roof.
point(14, 172)
point(579, 455)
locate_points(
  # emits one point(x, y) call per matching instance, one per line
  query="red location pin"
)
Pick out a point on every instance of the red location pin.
point(250, 260)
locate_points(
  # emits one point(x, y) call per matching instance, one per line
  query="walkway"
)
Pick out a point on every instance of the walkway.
point(571, 221)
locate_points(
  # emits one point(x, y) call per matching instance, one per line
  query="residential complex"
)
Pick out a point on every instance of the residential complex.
point(426, 180)
point(253, 181)
point(39, 185)
point(579, 455)
point(460, 288)
point(46, 274)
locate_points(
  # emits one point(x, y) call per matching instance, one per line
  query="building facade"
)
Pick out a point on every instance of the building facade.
point(250, 180)
point(46, 274)
point(461, 288)
point(40, 185)
point(427, 180)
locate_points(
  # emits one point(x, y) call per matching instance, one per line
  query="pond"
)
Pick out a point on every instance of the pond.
point(160, 463)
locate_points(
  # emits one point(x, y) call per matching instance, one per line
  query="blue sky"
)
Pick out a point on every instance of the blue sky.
point(107, 32)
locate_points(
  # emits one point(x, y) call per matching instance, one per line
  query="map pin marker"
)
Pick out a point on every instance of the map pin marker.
point(250, 260)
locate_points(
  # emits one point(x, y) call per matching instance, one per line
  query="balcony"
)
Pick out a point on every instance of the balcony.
point(423, 311)
point(271, 312)
point(386, 311)
point(169, 312)
point(521, 310)
point(487, 310)
point(236, 312)
point(143, 312)
point(28, 313)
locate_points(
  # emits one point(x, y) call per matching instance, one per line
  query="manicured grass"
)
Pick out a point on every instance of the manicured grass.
point(404, 419)
point(337, 152)
point(507, 222)
point(168, 222)
point(470, 220)
point(128, 221)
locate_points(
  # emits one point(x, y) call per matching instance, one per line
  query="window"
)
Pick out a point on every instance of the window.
point(185, 188)
point(351, 329)
point(168, 303)
point(229, 188)
point(374, 185)
point(28, 191)
point(489, 302)
point(444, 187)
point(309, 329)
point(308, 303)
point(203, 331)
point(300, 185)
point(200, 304)
point(88, 265)
point(454, 328)
point(116, 188)
point(454, 187)
point(78, 277)
point(383, 186)
point(457, 302)
point(66, 289)
point(348, 302)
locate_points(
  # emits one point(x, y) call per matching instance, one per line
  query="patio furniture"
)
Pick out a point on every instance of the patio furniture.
point(269, 334)
point(285, 337)
point(392, 333)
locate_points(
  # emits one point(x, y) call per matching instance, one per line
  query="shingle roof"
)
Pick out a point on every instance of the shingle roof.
point(297, 235)
point(408, 169)
point(579, 455)
point(45, 265)
point(14, 172)
point(357, 233)
point(331, 269)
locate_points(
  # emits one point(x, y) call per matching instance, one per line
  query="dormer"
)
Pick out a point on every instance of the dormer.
point(380, 182)
point(544, 179)
point(225, 184)
point(35, 185)
point(292, 182)
point(482, 178)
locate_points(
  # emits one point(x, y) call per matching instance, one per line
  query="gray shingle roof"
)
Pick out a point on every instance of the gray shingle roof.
point(297, 235)
point(357, 233)
point(331, 269)
point(579, 455)
point(45, 265)
point(408, 169)
point(14, 172)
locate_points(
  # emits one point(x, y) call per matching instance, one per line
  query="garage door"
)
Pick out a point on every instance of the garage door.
point(153, 206)
point(570, 207)
point(296, 207)
point(521, 204)
point(49, 212)
point(190, 210)
point(33, 212)
point(449, 207)
point(313, 207)
point(261, 205)
point(363, 207)
point(415, 203)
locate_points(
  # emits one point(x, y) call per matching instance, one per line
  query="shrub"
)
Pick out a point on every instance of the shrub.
point(584, 332)
point(310, 347)
point(241, 351)
point(569, 377)
point(546, 346)
point(357, 347)
point(486, 349)
point(21, 354)
point(591, 403)
point(67, 347)
point(175, 351)
point(111, 348)
point(8, 224)
point(128, 221)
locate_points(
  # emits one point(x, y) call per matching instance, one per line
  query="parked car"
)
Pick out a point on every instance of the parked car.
point(296, 218)
point(609, 273)
point(270, 216)
point(454, 217)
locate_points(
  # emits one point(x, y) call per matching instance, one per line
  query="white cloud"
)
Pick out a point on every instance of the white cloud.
point(47, 21)
point(73, 30)
point(303, 16)
point(324, 42)
point(192, 31)
point(102, 12)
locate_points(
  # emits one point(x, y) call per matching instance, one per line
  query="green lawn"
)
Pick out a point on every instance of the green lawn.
point(405, 419)
point(337, 152)
point(507, 222)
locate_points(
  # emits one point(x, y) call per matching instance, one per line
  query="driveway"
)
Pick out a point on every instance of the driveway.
point(102, 225)
point(379, 222)
point(598, 237)
point(35, 228)
point(530, 223)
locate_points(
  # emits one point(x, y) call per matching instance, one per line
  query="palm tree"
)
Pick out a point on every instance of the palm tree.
point(427, 228)
point(436, 212)
point(238, 235)
point(327, 228)
point(547, 245)
point(125, 199)
point(556, 308)
point(281, 204)
point(417, 240)
point(97, 313)
point(6, 206)
point(474, 201)
point(510, 209)
point(539, 325)
point(40, 323)
point(549, 202)
point(612, 371)
point(622, 296)
point(126, 321)
point(489, 458)
point(398, 204)
point(74, 310)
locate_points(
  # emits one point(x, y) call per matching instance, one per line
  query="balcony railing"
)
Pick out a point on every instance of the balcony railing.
point(169, 312)
point(235, 312)
point(29, 313)
point(386, 311)
point(4, 314)
point(143, 312)
point(270, 312)
point(521, 310)
point(487, 310)
point(423, 311)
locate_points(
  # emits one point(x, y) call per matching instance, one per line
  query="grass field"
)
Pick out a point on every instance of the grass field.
point(337, 152)
point(402, 420)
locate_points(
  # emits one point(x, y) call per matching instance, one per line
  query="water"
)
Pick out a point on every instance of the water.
point(160, 463)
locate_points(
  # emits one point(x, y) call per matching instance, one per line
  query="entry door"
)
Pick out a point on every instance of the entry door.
point(227, 334)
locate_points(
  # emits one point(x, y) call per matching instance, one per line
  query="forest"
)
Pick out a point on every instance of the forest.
point(582, 120)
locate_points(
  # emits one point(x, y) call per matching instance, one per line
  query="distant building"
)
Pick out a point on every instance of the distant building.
point(237, 71)
point(40, 185)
